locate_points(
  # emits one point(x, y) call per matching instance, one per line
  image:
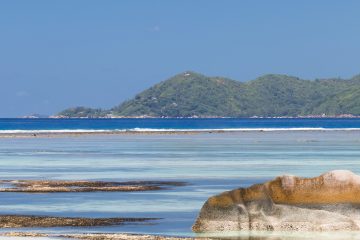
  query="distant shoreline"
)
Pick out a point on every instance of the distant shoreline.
point(343, 116)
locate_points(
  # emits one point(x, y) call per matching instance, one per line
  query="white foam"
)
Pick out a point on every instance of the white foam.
point(23, 131)
point(240, 129)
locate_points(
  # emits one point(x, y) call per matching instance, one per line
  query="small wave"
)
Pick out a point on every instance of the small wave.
point(23, 131)
point(238, 129)
point(58, 131)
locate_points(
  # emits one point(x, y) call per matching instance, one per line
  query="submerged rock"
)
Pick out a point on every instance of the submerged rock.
point(288, 203)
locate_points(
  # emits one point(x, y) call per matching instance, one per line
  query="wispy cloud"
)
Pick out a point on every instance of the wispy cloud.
point(22, 94)
point(155, 28)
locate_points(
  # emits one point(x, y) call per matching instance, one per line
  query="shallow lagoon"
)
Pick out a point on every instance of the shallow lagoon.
point(210, 163)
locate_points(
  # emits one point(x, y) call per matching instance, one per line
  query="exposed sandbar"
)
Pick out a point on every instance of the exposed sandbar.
point(101, 133)
point(77, 133)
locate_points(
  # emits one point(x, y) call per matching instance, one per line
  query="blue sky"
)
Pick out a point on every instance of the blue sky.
point(62, 53)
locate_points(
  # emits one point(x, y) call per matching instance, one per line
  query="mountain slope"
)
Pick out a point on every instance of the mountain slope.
point(191, 94)
point(185, 95)
point(345, 102)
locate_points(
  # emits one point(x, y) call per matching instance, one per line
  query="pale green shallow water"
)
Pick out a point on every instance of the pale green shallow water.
point(210, 163)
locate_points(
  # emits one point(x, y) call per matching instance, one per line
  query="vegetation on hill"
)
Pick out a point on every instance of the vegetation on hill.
point(83, 112)
point(191, 94)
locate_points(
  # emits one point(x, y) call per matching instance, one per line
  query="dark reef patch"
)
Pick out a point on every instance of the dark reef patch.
point(49, 186)
point(20, 221)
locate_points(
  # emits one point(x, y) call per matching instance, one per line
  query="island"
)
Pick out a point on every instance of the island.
point(190, 94)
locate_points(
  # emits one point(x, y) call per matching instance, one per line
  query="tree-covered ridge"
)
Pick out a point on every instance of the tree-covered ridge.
point(83, 112)
point(191, 94)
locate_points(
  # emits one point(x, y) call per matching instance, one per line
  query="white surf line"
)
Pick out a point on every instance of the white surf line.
point(44, 131)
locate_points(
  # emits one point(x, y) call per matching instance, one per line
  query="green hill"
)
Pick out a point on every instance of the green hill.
point(83, 112)
point(191, 94)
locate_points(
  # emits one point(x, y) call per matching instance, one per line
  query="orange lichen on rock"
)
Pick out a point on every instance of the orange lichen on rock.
point(327, 188)
point(332, 187)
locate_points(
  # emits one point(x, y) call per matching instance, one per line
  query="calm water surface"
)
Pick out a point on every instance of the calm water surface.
point(209, 163)
point(18, 124)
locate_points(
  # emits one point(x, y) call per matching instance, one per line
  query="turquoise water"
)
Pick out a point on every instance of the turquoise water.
point(209, 163)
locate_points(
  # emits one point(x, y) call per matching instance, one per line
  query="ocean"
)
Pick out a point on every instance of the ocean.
point(209, 163)
point(168, 124)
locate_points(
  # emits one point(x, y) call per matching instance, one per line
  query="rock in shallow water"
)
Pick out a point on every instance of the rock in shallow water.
point(288, 203)
point(20, 221)
point(55, 186)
